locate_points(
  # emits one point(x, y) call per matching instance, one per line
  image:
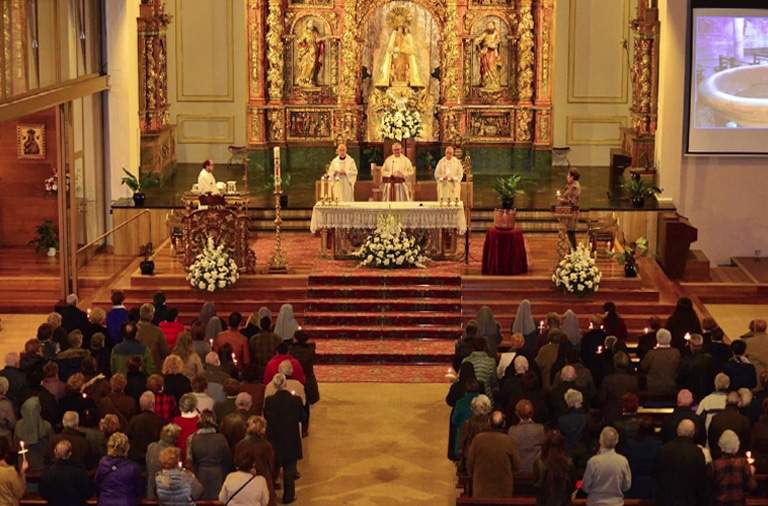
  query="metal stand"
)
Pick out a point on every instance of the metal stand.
point(278, 263)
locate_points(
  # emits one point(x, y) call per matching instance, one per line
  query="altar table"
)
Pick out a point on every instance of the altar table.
point(345, 225)
point(504, 252)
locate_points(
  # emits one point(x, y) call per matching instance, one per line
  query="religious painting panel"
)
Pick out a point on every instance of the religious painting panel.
point(489, 59)
point(400, 58)
point(30, 142)
point(313, 56)
point(310, 125)
point(325, 3)
point(491, 3)
point(490, 125)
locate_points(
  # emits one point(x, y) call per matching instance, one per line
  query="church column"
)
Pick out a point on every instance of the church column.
point(544, 13)
point(275, 71)
point(256, 74)
point(452, 76)
point(526, 58)
point(347, 124)
point(123, 95)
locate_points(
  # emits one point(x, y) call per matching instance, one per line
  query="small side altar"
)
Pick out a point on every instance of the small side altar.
point(344, 226)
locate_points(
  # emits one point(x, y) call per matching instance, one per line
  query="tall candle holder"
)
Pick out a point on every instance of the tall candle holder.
point(278, 263)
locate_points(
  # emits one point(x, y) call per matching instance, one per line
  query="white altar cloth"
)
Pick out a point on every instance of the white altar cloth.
point(412, 215)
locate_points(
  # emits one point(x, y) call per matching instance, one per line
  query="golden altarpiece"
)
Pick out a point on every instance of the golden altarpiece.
point(322, 71)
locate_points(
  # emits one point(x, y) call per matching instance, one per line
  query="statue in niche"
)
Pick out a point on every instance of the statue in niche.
point(310, 50)
point(400, 67)
point(487, 46)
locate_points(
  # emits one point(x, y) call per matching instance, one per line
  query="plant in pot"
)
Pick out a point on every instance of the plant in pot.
point(507, 188)
point(628, 257)
point(46, 239)
point(639, 189)
point(269, 186)
point(137, 184)
point(147, 266)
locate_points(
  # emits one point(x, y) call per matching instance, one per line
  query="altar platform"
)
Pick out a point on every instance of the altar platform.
point(397, 325)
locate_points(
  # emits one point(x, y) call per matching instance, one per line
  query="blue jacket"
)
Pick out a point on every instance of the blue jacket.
point(115, 319)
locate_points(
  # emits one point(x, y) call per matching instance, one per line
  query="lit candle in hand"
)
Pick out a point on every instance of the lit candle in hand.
point(541, 326)
point(210, 341)
point(599, 350)
point(687, 336)
point(646, 330)
point(750, 459)
point(234, 358)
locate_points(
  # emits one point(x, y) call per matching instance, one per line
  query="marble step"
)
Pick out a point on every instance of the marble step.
point(402, 332)
point(382, 318)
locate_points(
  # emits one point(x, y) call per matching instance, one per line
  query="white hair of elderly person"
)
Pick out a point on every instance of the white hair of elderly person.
point(481, 405)
point(663, 338)
point(716, 401)
point(70, 420)
point(147, 401)
point(281, 382)
point(244, 401)
point(72, 299)
point(729, 442)
point(573, 398)
point(607, 475)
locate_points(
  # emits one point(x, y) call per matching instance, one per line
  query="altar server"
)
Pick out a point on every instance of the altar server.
point(395, 173)
point(206, 181)
point(448, 175)
point(343, 174)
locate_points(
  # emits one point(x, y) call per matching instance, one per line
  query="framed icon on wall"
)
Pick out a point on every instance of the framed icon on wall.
point(30, 142)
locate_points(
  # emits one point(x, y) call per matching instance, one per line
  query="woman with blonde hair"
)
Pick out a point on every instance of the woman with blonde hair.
point(176, 383)
point(169, 435)
point(118, 479)
point(175, 485)
point(192, 363)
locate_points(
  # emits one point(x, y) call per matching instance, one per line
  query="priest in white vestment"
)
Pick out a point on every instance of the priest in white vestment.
point(206, 181)
point(343, 174)
point(395, 174)
point(448, 174)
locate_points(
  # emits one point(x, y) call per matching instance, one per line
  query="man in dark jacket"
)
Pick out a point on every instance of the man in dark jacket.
point(647, 341)
point(18, 387)
point(285, 414)
point(161, 309)
point(234, 425)
point(731, 419)
point(738, 367)
point(697, 372)
point(681, 471)
point(144, 428)
point(65, 483)
point(684, 411)
point(72, 317)
point(79, 449)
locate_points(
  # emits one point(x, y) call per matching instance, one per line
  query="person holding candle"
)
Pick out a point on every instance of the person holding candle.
point(395, 172)
point(174, 484)
point(733, 476)
point(448, 174)
point(206, 181)
point(13, 483)
point(343, 174)
point(570, 196)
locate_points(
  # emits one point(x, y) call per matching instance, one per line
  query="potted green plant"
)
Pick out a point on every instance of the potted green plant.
point(285, 179)
point(138, 184)
point(47, 238)
point(639, 189)
point(147, 266)
point(628, 257)
point(507, 188)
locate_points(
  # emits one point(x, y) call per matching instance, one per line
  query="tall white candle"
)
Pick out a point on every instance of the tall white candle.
point(278, 179)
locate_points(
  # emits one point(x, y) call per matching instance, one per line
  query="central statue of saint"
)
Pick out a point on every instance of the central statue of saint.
point(400, 66)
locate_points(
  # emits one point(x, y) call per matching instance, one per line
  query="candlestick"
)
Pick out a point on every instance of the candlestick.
point(278, 263)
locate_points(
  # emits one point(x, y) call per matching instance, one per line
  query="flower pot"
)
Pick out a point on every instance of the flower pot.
point(630, 270)
point(638, 202)
point(504, 218)
point(138, 199)
point(51, 252)
point(284, 201)
point(147, 267)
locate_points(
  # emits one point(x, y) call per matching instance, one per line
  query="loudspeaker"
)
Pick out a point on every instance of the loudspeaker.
point(619, 163)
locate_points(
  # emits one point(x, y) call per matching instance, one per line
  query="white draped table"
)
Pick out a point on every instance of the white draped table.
point(354, 219)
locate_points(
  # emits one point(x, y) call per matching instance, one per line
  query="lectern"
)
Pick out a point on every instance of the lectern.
point(675, 237)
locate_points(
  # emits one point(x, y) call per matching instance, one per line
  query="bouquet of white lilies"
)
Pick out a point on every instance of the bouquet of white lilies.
point(213, 269)
point(577, 272)
point(400, 123)
point(389, 247)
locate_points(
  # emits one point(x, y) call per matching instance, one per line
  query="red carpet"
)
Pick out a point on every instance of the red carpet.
point(375, 373)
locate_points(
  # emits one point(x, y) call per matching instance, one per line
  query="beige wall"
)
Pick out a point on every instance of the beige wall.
point(207, 77)
point(723, 196)
point(591, 101)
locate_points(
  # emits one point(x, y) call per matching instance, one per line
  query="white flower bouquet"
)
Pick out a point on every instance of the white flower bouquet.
point(213, 268)
point(389, 247)
point(577, 272)
point(400, 123)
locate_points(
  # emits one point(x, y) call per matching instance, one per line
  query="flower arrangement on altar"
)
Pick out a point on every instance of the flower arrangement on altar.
point(577, 272)
point(400, 123)
point(213, 268)
point(389, 247)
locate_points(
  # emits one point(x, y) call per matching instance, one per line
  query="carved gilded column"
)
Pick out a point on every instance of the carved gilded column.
point(158, 148)
point(347, 121)
point(639, 140)
point(256, 77)
point(13, 69)
point(526, 58)
point(544, 13)
point(275, 70)
point(451, 73)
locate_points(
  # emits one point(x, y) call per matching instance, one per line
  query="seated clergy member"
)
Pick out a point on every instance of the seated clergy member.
point(206, 181)
point(343, 174)
point(448, 175)
point(397, 168)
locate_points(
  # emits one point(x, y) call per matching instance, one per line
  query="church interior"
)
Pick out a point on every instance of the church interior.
point(382, 178)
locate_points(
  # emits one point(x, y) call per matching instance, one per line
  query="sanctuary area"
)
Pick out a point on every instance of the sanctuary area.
point(529, 229)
